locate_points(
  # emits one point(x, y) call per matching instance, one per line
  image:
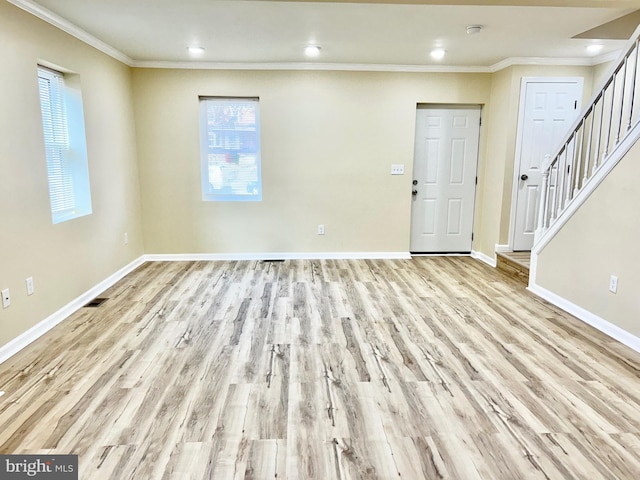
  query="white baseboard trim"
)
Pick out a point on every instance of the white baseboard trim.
point(502, 248)
point(440, 254)
point(484, 258)
point(595, 321)
point(35, 332)
point(533, 271)
point(170, 257)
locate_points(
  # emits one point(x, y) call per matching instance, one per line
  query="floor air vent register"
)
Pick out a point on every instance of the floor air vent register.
point(96, 302)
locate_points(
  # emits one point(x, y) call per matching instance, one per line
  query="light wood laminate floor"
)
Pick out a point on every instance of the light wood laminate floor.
point(431, 368)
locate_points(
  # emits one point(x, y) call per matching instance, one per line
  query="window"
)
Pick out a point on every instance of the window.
point(65, 145)
point(230, 149)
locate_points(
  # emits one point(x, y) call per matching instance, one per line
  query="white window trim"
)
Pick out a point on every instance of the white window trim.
point(240, 144)
point(65, 146)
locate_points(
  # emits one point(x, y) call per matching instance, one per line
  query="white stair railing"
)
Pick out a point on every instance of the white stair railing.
point(609, 118)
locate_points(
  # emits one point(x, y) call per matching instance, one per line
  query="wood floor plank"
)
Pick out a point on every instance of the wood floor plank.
point(429, 368)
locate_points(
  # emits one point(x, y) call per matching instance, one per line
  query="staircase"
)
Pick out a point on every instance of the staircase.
point(600, 137)
point(515, 264)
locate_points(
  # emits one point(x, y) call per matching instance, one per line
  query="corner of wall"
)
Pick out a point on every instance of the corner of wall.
point(42, 327)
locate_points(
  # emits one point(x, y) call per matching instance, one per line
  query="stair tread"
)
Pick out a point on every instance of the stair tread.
point(522, 259)
point(515, 264)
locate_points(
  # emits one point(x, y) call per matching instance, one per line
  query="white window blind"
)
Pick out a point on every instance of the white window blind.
point(65, 147)
point(230, 149)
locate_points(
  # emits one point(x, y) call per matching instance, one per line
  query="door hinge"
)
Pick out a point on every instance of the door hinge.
point(472, 236)
point(575, 104)
point(476, 179)
point(480, 121)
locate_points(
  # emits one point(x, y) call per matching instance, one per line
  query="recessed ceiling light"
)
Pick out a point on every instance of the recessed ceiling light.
point(312, 50)
point(594, 48)
point(195, 50)
point(438, 53)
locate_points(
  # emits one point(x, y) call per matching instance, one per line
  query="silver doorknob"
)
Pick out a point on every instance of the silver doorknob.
point(524, 176)
point(414, 192)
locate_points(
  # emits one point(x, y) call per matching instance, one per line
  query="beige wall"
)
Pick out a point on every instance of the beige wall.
point(601, 72)
point(328, 142)
point(329, 139)
point(600, 239)
point(492, 169)
point(66, 259)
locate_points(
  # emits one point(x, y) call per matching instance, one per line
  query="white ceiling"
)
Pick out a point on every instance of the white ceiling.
point(380, 35)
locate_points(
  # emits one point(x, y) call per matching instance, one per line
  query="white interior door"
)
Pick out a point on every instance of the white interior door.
point(548, 108)
point(444, 182)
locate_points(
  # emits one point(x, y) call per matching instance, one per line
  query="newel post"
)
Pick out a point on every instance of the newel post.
point(542, 210)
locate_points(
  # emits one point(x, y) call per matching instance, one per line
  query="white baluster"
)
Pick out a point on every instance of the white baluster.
point(613, 98)
point(596, 157)
point(560, 186)
point(587, 157)
point(568, 172)
point(575, 177)
point(633, 83)
point(624, 79)
point(553, 215)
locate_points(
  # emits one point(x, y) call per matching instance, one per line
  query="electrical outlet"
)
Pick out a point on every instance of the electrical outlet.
point(320, 229)
point(29, 282)
point(613, 284)
point(126, 238)
point(397, 169)
point(6, 298)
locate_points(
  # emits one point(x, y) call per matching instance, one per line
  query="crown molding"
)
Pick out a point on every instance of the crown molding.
point(550, 61)
point(68, 27)
point(352, 67)
point(82, 35)
point(607, 57)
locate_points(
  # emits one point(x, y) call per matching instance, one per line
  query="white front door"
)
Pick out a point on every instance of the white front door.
point(444, 178)
point(548, 108)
